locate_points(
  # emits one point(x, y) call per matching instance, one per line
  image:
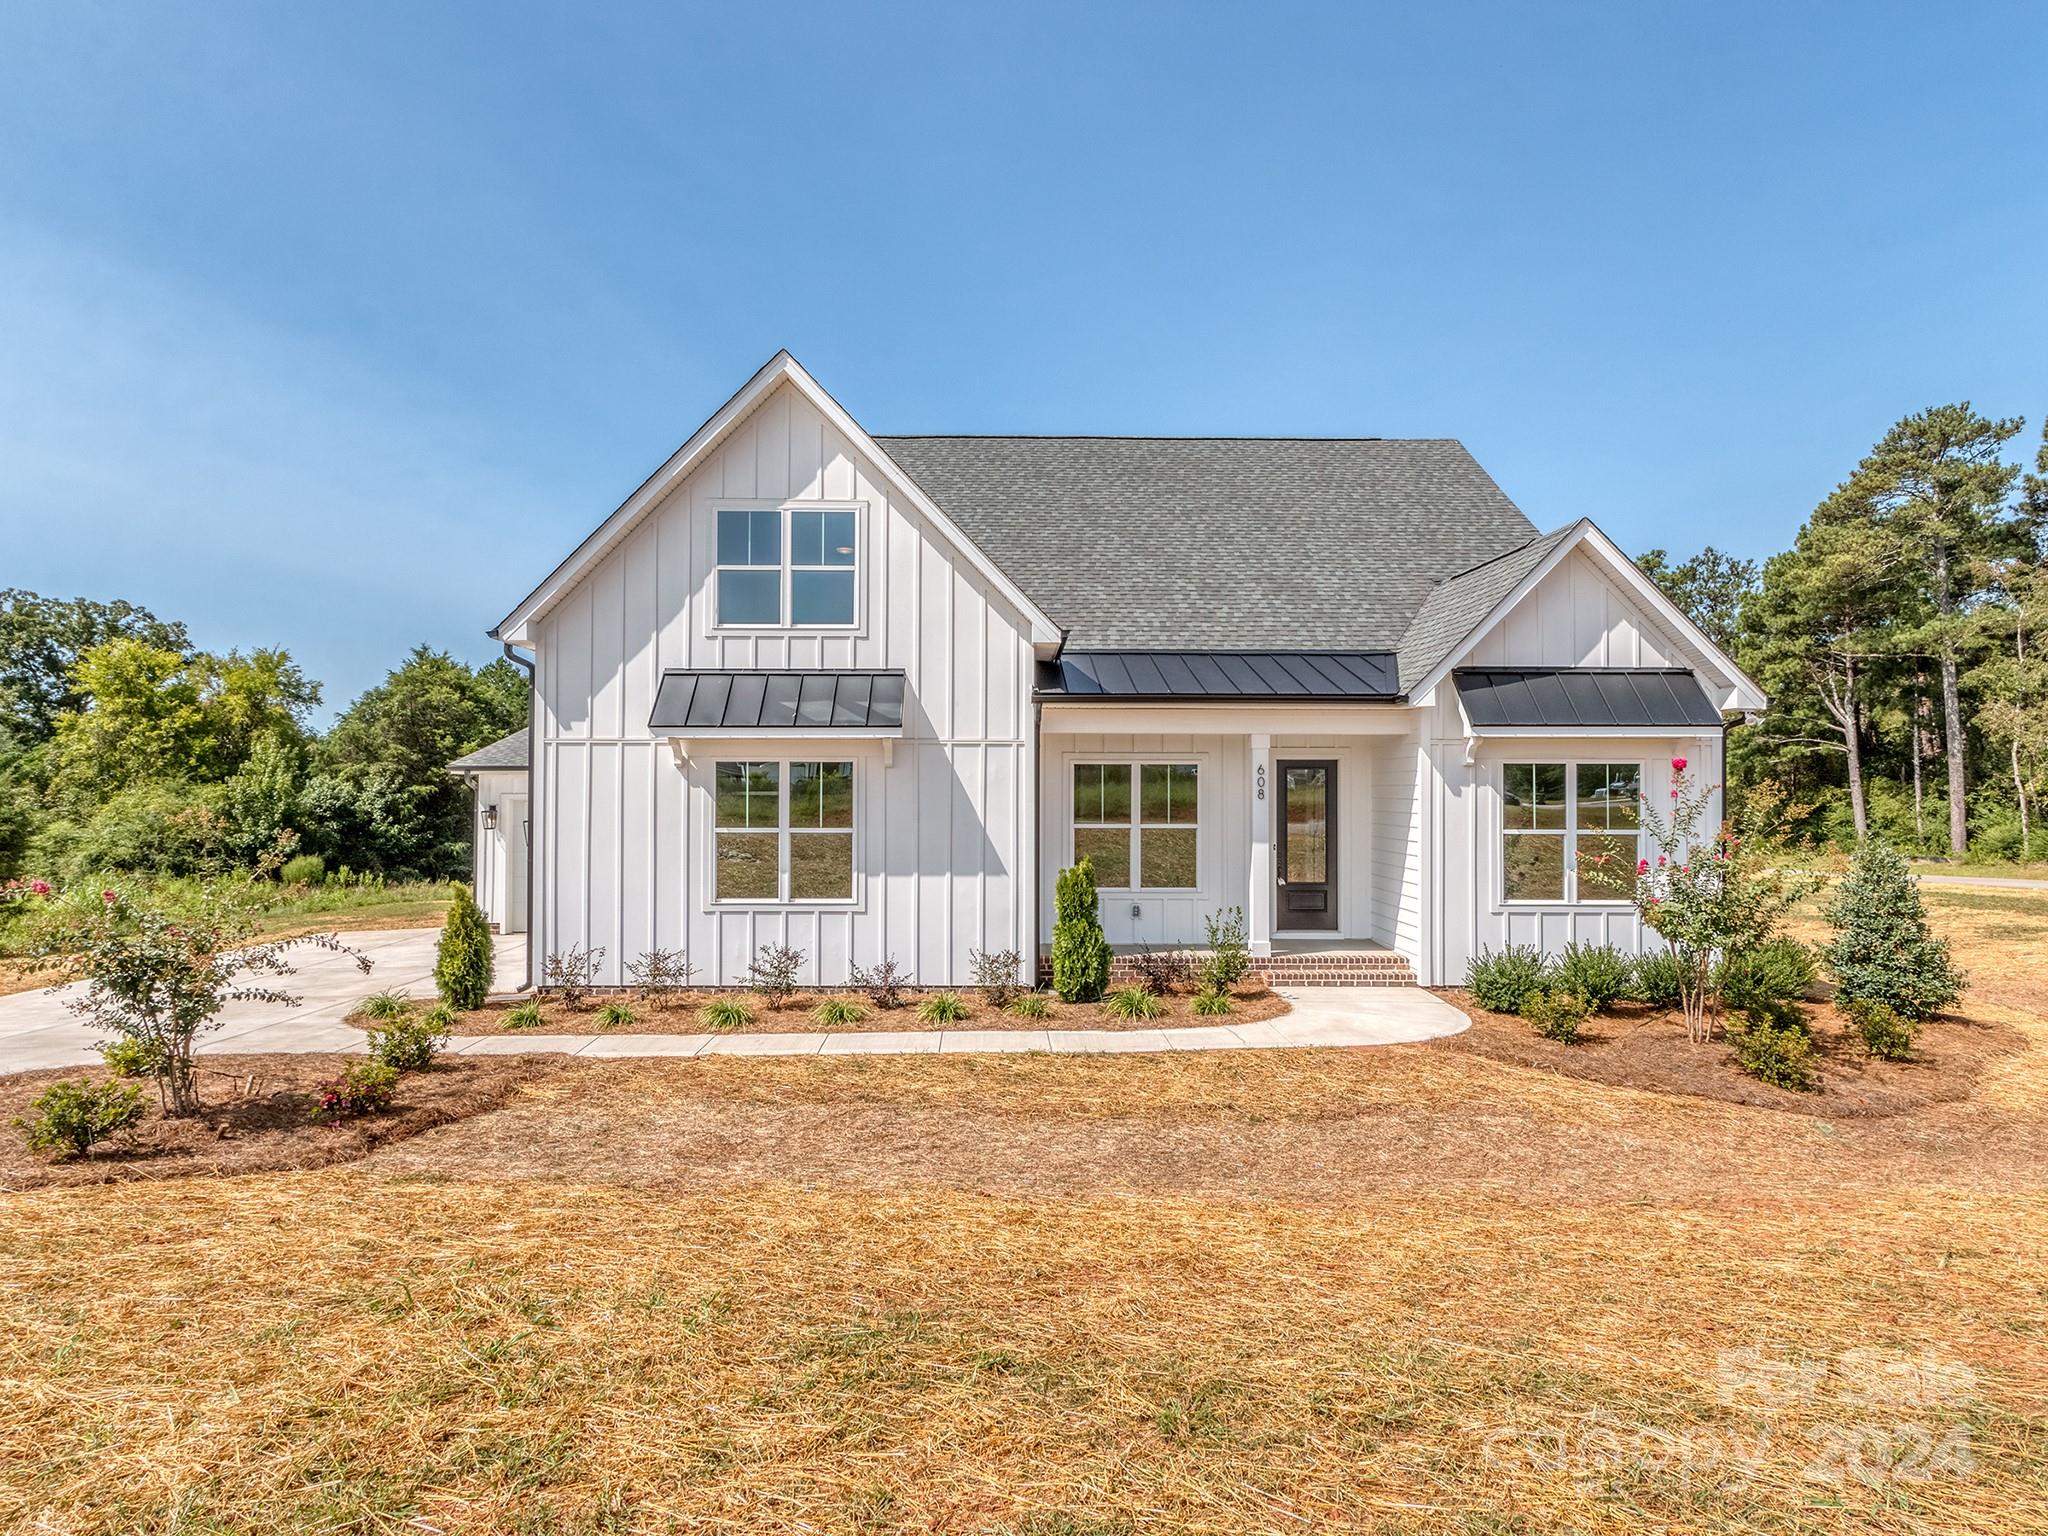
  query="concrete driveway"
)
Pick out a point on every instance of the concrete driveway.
point(37, 1029)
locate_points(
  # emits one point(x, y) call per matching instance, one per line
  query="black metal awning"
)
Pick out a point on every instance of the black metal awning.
point(1233, 676)
point(1568, 699)
point(692, 703)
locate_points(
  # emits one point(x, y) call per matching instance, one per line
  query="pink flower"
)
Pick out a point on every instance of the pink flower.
point(1674, 794)
point(1653, 901)
point(1642, 866)
point(1660, 861)
point(108, 896)
point(1678, 765)
point(40, 887)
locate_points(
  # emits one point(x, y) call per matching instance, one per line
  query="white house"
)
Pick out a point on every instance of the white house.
point(866, 697)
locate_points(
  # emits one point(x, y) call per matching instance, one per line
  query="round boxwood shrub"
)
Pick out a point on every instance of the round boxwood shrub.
point(1502, 982)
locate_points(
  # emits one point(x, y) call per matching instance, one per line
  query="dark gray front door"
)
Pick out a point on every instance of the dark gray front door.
point(1305, 862)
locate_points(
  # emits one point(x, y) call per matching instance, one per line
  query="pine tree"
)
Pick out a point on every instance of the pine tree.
point(1080, 952)
point(1883, 951)
point(462, 968)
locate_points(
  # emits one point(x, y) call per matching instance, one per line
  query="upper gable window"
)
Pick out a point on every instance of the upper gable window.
point(788, 567)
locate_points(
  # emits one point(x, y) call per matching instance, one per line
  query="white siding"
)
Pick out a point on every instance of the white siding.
point(942, 834)
point(499, 873)
point(1397, 846)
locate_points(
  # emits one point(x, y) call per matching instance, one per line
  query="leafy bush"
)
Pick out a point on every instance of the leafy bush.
point(1768, 981)
point(942, 1008)
point(882, 985)
point(569, 972)
point(364, 1088)
point(1883, 951)
point(1658, 979)
point(1229, 959)
point(1556, 1013)
point(1133, 1003)
point(615, 1016)
point(727, 1013)
point(73, 1117)
point(1212, 1000)
point(525, 1016)
point(1500, 982)
point(1885, 1031)
point(306, 869)
point(462, 965)
point(1029, 1006)
point(658, 971)
point(1080, 953)
point(1161, 970)
point(1779, 1054)
point(1599, 973)
point(773, 973)
point(128, 1057)
point(839, 1013)
point(384, 1005)
point(996, 974)
point(408, 1044)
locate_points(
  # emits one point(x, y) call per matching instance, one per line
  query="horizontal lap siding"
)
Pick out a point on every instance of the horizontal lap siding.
point(622, 850)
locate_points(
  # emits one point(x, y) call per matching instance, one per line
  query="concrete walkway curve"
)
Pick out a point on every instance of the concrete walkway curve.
point(38, 1029)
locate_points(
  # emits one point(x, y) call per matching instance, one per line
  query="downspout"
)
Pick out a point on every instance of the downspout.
point(525, 665)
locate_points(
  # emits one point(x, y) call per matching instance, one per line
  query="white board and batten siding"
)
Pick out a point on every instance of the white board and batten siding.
point(943, 833)
point(1577, 616)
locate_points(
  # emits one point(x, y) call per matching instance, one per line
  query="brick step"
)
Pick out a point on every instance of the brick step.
point(1364, 968)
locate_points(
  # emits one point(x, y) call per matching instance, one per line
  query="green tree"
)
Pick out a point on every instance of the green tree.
point(462, 965)
point(1080, 951)
point(41, 639)
point(1710, 588)
point(1934, 492)
point(1883, 950)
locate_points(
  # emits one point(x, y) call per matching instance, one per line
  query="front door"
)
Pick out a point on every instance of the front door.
point(1306, 859)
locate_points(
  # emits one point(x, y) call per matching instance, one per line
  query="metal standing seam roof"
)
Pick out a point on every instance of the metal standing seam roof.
point(777, 701)
point(506, 755)
point(1362, 675)
point(1573, 698)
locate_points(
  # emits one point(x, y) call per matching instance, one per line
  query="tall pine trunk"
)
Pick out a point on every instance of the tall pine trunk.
point(1951, 706)
point(1919, 751)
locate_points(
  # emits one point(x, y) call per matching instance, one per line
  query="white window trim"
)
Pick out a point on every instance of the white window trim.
point(1196, 761)
point(783, 901)
point(858, 626)
point(1569, 832)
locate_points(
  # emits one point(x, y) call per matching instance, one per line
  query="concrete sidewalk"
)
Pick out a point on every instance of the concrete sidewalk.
point(37, 1029)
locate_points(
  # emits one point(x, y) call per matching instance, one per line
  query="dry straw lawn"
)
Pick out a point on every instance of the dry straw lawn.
point(1407, 1290)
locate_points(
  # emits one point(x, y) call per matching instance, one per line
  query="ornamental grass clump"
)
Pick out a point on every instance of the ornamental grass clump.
point(525, 1016)
point(1029, 1006)
point(839, 1013)
point(1133, 1003)
point(726, 1014)
point(942, 1008)
point(615, 1016)
point(1210, 1001)
point(1883, 950)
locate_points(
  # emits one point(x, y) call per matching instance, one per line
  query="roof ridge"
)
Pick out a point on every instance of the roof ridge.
point(1146, 437)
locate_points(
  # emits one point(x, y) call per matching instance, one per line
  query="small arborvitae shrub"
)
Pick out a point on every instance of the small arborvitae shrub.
point(1211, 1000)
point(1883, 950)
point(570, 972)
point(129, 1057)
point(1657, 979)
point(839, 1013)
point(525, 1016)
point(996, 974)
point(1499, 982)
point(71, 1118)
point(364, 1088)
point(1133, 1003)
point(660, 971)
point(773, 973)
point(615, 1016)
point(1080, 952)
point(1599, 973)
point(1768, 981)
point(942, 1008)
point(1886, 1032)
point(881, 985)
point(1029, 1006)
point(384, 1005)
point(1229, 959)
point(1779, 1054)
point(727, 1014)
point(1161, 970)
point(462, 966)
point(409, 1044)
point(306, 869)
point(1557, 1014)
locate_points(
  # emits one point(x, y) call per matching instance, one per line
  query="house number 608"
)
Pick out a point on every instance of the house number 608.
point(1262, 781)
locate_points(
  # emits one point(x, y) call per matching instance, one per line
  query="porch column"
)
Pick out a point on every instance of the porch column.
point(1259, 900)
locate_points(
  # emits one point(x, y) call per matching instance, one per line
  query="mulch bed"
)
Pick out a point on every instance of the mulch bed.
point(1635, 1046)
point(269, 1128)
point(680, 1015)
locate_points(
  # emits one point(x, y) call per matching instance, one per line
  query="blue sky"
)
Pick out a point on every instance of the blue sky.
point(335, 327)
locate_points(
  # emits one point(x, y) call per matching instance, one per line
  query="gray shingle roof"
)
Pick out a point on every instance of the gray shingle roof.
point(1221, 543)
point(1454, 609)
point(506, 755)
